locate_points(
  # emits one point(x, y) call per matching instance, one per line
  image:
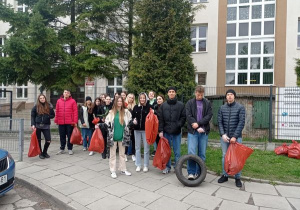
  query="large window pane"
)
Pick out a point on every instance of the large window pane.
point(269, 10)
point(256, 12)
point(231, 30)
point(298, 41)
point(268, 78)
point(119, 81)
point(268, 47)
point(299, 26)
point(256, 0)
point(230, 49)
point(255, 48)
point(268, 62)
point(242, 78)
point(244, 1)
point(193, 43)
point(202, 31)
point(269, 27)
point(230, 63)
point(231, 1)
point(255, 63)
point(243, 29)
point(230, 78)
point(202, 45)
point(19, 92)
point(256, 29)
point(111, 82)
point(254, 78)
point(243, 48)
point(25, 92)
point(193, 32)
point(231, 13)
point(244, 13)
point(243, 63)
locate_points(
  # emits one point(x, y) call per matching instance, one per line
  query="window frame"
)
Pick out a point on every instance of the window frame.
point(198, 38)
point(115, 86)
point(199, 1)
point(197, 78)
point(3, 88)
point(298, 34)
point(2, 42)
point(22, 87)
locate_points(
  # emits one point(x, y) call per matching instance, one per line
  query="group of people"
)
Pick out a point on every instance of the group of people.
point(122, 123)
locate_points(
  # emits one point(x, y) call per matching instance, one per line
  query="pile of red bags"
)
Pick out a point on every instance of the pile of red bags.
point(292, 151)
point(163, 154)
point(97, 141)
point(236, 157)
point(34, 148)
point(151, 127)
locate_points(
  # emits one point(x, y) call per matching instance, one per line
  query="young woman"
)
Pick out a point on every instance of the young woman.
point(100, 112)
point(130, 100)
point(152, 100)
point(139, 114)
point(102, 98)
point(108, 104)
point(118, 120)
point(85, 123)
point(41, 114)
point(160, 100)
point(124, 95)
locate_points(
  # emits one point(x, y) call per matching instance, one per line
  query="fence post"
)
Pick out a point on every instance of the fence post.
point(21, 139)
point(270, 113)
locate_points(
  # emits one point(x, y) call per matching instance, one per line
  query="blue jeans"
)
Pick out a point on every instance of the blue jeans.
point(139, 135)
point(86, 132)
point(175, 141)
point(196, 141)
point(225, 146)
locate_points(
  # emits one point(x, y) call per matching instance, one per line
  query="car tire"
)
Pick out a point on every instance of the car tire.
point(199, 179)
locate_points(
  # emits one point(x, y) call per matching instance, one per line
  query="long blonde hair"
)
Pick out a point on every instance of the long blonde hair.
point(130, 105)
point(121, 111)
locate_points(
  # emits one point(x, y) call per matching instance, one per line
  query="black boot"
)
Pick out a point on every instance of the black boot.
point(104, 154)
point(46, 146)
point(41, 156)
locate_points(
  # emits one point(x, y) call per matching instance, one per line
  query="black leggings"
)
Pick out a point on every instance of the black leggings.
point(47, 135)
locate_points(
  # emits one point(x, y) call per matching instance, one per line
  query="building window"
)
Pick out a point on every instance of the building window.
point(201, 78)
point(4, 2)
point(22, 8)
point(199, 38)
point(250, 42)
point(298, 45)
point(2, 39)
point(22, 91)
point(198, 1)
point(114, 86)
point(2, 91)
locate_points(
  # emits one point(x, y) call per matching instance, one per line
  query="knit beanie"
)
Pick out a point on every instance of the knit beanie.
point(171, 88)
point(231, 91)
point(88, 98)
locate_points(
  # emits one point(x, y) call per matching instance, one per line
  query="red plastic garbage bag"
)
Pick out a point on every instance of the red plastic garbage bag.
point(97, 141)
point(281, 150)
point(76, 136)
point(151, 127)
point(236, 157)
point(34, 148)
point(96, 120)
point(163, 154)
point(294, 150)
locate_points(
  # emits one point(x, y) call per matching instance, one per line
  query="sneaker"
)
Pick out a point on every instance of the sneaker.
point(191, 177)
point(138, 169)
point(84, 149)
point(238, 183)
point(127, 173)
point(46, 155)
point(113, 175)
point(166, 171)
point(60, 152)
point(103, 155)
point(145, 169)
point(153, 153)
point(126, 158)
point(223, 179)
point(41, 156)
point(71, 152)
point(133, 158)
point(91, 153)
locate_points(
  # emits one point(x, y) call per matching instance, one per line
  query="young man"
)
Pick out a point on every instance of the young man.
point(231, 121)
point(198, 114)
point(171, 117)
point(66, 117)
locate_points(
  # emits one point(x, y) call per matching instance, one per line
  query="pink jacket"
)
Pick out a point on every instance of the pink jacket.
point(66, 111)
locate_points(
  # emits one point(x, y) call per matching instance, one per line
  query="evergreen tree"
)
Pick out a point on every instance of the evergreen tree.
point(162, 47)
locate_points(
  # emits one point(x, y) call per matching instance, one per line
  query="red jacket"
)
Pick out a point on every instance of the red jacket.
point(66, 111)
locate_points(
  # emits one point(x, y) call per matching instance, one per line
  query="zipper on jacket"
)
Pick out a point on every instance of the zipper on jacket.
point(141, 117)
point(228, 130)
point(64, 112)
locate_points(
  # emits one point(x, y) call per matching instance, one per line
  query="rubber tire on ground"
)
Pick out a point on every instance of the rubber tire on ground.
point(182, 178)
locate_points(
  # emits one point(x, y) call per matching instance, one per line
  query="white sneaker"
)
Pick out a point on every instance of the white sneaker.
point(166, 171)
point(138, 169)
point(133, 158)
point(71, 152)
point(84, 149)
point(127, 173)
point(60, 152)
point(91, 153)
point(146, 169)
point(126, 158)
point(113, 175)
point(191, 177)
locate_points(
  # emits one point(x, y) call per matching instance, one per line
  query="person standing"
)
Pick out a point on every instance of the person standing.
point(171, 117)
point(139, 114)
point(41, 115)
point(86, 125)
point(160, 100)
point(231, 121)
point(198, 114)
point(152, 99)
point(118, 120)
point(66, 118)
point(130, 100)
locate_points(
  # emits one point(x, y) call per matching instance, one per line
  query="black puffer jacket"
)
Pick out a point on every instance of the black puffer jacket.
point(140, 113)
point(171, 116)
point(37, 118)
point(231, 119)
point(191, 115)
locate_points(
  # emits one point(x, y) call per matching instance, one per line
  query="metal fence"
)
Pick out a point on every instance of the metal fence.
point(12, 136)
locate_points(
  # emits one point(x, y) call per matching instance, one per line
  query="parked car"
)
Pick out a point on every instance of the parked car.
point(7, 172)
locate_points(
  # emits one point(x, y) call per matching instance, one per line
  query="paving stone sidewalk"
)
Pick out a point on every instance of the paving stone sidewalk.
point(83, 182)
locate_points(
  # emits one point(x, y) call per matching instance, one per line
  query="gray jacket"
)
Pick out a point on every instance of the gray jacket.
point(231, 119)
